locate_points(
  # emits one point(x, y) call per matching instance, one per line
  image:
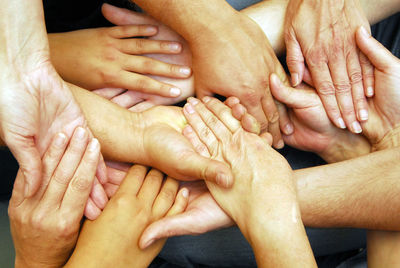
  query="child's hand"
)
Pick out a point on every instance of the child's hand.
point(110, 57)
point(143, 198)
point(45, 226)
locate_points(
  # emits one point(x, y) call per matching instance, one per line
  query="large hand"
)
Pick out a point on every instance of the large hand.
point(383, 127)
point(45, 226)
point(235, 59)
point(33, 109)
point(313, 131)
point(120, 16)
point(322, 34)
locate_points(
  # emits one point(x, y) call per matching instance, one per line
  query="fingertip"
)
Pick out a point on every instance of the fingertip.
point(288, 129)
point(175, 92)
point(224, 180)
point(92, 212)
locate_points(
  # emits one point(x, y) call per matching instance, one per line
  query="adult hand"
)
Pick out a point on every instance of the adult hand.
point(313, 131)
point(45, 226)
point(34, 106)
point(321, 34)
point(120, 16)
point(223, 65)
point(383, 127)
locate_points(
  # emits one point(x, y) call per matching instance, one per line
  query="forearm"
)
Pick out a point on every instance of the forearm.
point(23, 35)
point(117, 129)
point(359, 193)
point(270, 16)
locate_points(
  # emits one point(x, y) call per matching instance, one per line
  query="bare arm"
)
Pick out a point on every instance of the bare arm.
point(360, 193)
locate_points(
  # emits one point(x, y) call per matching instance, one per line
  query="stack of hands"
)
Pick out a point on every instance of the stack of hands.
point(63, 175)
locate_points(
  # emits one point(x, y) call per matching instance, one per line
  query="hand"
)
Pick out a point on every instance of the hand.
point(45, 226)
point(222, 65)
point(142, 199)
point(201, 215)
point(33, 110)
point(313, 131)
point(112, 57)
point(383, 127)
point(120, 16)
point(323, 34)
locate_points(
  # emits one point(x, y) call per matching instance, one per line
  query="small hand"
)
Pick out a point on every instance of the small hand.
point(45, 226)
point(321, 34)
point(113, 57)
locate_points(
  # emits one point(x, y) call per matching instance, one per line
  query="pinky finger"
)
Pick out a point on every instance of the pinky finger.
point(181, 202)
point(368, 75)
point(284, 120)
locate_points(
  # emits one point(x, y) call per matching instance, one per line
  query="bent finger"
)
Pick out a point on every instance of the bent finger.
point(165, 199)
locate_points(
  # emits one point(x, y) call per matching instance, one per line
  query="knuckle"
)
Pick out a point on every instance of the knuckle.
point(252, 97)
point(61, 177)
point(347, 111)
point(167, 195)
point(122, 201)
point(107, 77)
point(142, 83)
point(355, 77)
point(315, 58)
point(140, 44)
point(148, 66)
point(326, 89)
point(205, 132)
point(343, 88)
point(273, 117)
point(65, 228)
point(81, 183)
point(37, 221)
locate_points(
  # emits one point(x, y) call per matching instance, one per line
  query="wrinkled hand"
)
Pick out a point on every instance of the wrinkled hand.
point(114, 57)
point(321, 35)
point(383, 127)
point(235, 59)
point(120, 16)
point(45, 226)
point(33, 108)
point(313, 131)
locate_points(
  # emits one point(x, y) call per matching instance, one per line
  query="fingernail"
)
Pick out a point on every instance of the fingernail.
point(276, 79)
point(189, 108)
point(175, 92)
point(288, 129)
point(280, 144)
point(185, 193)
point(94, 144)
point(206, 99)
point(193, 101)
point(60, 139)
point(222, 180)
point(364, 32)
point(295, 79)
point(356, 127)
point(188, 129)
point(80, 133)
point(370, 91)
point(151, 29)
point(363, 115)
point(185, 71)
point(341, 123)
point(174, 47)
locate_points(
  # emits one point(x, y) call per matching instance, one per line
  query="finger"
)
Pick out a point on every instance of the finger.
point(29, 160)
point(116, 176)
point(181, 202)
point(111, 189)
point(122, 16)
point(307, 78)
point(101, 171)
point(222, 112)
point(367, 74)
point(357, 88)
point(165, 199)
point(250, 124)
point(18, 195)
point(118, 166)
point(258, 113)
point(195, 141)
point(92, 212)
point(133, 180)
point(326, 91)
point(98, 194)
point(79, 188)
point(272, 115)
point(231, 101)
point(146, 65)
point(267, 138)
point(294, 58)
point(128, 99)
point(151, 187)
point(285, 123)
point(141, 107)
point(127, 31)
point(109, 93)
point(203, 93)
point(144, 84)
point(66, 168)
point(238, 111)
point(343, 93)
point(211, 120)
point(378, 55)
point(138, 46)
point(51, 159)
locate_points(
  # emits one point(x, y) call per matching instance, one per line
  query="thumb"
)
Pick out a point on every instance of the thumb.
point(379, 56)
point(198, 166)
point(294, 58)
point(294, 98)
point(29, 160)
point(201, 93)
point(122, 16)
point(170, 226)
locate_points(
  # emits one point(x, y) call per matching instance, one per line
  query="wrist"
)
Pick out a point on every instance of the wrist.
point(345, 146)
point(389, 141)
